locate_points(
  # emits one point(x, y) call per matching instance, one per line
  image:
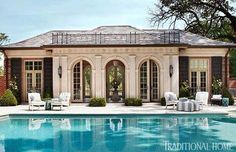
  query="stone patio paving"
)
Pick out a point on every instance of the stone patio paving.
point(114, 108)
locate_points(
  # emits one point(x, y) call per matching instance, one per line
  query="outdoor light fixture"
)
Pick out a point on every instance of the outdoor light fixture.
point(171, 70)
point(60, 71)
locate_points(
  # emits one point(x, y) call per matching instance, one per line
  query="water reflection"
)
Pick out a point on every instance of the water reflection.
point(116, 124)
point(61, 123)
point(111, 134)
point(35, 124)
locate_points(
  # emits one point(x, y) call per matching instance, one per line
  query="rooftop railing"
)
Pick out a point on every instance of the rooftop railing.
point(62, 38)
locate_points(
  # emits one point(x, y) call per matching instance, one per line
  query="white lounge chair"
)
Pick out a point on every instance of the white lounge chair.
point(171, 99)
point(202, 98)
point(35, 100)
point(62, 101)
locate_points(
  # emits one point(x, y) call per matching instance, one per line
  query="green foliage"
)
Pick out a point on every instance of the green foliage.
point(184, 90)
point(1, 71)
point(14, 88)
point(216, 86)
point(227, 94)
point(97, 102)
point(133, 102)
point(232, 61)
point(163, 101)
point(3, 38)
point(47, 94)
point(8, 99)
point(208, 18)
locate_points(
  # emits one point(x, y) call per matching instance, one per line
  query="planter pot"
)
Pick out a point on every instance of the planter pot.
point(225, 102)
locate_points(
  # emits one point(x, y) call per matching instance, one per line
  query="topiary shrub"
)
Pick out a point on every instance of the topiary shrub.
point(97, 102)
point(227, 94)
point(163, 101)
point(133, 102)
point(8, 99)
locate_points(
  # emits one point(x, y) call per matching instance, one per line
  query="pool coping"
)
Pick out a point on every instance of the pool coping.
point(114, 109)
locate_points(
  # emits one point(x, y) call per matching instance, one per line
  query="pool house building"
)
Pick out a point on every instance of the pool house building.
point(134, 62)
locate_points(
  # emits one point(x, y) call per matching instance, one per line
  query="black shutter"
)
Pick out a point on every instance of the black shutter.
point(183, 68)
point(47, 70)
point(216, 67)
point(16, 69)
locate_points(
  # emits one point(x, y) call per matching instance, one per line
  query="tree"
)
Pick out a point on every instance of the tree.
point(214, 19)
point(3, 39)
point(211, 18)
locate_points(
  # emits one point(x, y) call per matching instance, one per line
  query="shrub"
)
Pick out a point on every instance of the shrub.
point(227, 94)
point(184, 89)
point(47, 93)
point(216, 86)
point(133, 102)
point(97, 102)
point(13, 86)
point(8, 99)
point(163, 101)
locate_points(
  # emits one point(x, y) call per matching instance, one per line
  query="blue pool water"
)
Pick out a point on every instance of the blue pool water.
point(118, 133)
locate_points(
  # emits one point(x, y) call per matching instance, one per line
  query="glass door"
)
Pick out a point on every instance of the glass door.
point(77, 91)
point(154, 81)
point(29, 82)
point(198, 75)
point(149, 81)
point(82, 80)
point(144, 81)
point(33, 77)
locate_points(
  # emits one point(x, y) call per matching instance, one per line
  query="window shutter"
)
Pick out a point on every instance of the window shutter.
point(183, 68)
point(47, 72)
point(216, 67)
point(16, 69)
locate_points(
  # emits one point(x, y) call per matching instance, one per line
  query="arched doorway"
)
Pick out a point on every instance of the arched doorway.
point(82, 81)
point(149, 81)
point(115, 81)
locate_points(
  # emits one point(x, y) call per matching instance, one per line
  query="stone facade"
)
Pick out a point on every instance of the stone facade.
point(144, 55)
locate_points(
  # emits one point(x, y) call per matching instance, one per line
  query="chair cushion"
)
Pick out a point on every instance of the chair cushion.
point(173, 97)
point(32, 98)
point(217, 96)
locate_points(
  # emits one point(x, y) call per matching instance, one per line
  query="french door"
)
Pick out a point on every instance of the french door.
point(33, 76)
point(149, 81)
point(82, 76)
point(198, 75)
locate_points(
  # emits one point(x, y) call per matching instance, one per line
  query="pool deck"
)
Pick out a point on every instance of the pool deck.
point(115, 108)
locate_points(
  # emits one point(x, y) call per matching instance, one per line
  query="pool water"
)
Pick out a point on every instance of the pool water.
point(118, 133)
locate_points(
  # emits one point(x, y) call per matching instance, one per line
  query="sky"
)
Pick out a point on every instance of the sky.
point(21, 19)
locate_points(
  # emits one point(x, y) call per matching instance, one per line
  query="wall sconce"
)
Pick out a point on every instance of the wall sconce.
point(60, 71)
point(171, 70)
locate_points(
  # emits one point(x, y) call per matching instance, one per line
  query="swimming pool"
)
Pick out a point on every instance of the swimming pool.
point(118, 133)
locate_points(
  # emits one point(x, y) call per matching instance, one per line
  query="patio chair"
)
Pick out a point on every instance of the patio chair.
point(216, 99)
point(171, 99)
point(62, 101)
point(202, 98)
point(35, 100)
